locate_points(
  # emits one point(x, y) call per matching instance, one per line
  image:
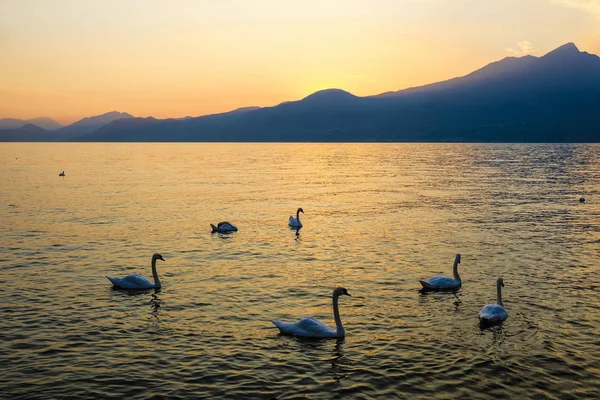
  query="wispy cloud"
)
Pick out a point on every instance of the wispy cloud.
point(589, 6)
point(523, 48)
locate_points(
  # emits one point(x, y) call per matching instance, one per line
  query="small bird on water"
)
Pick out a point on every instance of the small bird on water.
point(582, 200)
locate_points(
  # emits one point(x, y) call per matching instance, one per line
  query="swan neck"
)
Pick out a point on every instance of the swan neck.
point(336, 315)
point(499, 299)
point(455, 271)
point(298, 215)
point(155, 274)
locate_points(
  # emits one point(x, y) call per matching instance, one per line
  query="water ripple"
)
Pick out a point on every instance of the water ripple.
point(378, 218)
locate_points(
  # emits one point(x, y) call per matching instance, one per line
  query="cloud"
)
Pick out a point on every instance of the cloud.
point(523, 48)
point(591, 7)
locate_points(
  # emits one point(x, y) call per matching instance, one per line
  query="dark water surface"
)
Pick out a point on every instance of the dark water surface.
point(379, 217)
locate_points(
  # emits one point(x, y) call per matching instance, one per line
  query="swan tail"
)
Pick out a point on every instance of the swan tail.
point(279, 324)
point(114, 281)
point(427, 286)
point(214, 228)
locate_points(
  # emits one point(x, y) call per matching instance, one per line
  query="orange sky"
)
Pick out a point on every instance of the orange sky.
point(68, 59)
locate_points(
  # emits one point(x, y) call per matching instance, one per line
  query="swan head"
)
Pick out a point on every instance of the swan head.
point(500, 282)
point(157, 257)
point(341, 291)
point(300, 210)
point(457, 259)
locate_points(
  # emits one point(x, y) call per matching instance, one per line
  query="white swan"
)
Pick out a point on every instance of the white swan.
point(224, 227)
point(493, 313)
point(295, 222)
point(135, 281)
point(444, 282)
point(62, 174)
point(312, 327)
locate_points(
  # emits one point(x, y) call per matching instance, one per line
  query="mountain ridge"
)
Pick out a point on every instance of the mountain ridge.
point(543, 99)
point(89, 125)
point(46, 123)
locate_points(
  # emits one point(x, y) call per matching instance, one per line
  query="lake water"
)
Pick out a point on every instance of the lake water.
point(378, 217)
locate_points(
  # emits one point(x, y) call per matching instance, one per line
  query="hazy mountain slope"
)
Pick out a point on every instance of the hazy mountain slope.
point(25, 133)
point(43, 122)
point(88, 125)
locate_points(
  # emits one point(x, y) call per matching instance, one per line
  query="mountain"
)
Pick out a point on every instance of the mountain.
point(166, 130)
point(553, 98)
point(43, 122)
point(88, 125)
point(25, 133)
point(565, 66)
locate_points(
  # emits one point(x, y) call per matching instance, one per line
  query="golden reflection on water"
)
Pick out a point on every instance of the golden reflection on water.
point(378, 217)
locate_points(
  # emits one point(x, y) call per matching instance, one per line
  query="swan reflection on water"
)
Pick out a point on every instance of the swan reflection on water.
point(135, 292)
point(497, 331)
point(338, 361)
point(321, 347)
point(155, 304)
point(438, 295)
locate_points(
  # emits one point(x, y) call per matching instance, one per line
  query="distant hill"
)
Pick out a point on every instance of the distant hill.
point(88, 125)
point(166, 130)
point(43, 122)
point(25, 133)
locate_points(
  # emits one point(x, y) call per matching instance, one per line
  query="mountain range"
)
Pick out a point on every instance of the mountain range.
point(30, 131)
point(43, 122)
point(553, 98)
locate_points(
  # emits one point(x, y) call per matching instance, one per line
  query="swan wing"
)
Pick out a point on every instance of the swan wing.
point(493, 313)
point(133, 281)
point(441, 282)
point(311, 324)
point(226, 227)
point(115, 281)
point(294, 223)
point(306, 327)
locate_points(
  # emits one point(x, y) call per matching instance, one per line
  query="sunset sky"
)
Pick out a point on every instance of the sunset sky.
point(67, 59)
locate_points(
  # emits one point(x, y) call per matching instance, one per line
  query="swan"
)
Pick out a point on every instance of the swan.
point(224, 227)
point(62, 174)
point(444, 282)
point(312, 327)
point(493, 313)
point(295, 222)
point(135, 281)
